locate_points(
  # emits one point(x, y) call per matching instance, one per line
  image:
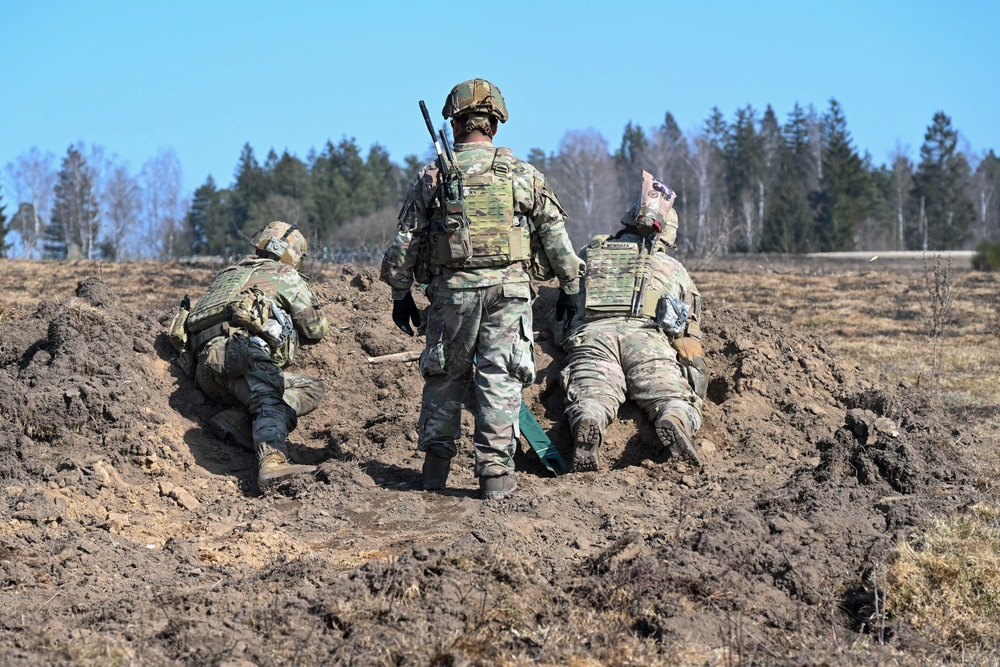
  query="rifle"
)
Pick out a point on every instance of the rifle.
point(453, 195)
point(455, 224)
point(646, 268)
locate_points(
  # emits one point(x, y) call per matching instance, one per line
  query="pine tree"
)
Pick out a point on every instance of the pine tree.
point(845, 187)
point(630, 158)
point(939, 185)
point(249, 189)
point(206, 220)
point(75, 221)
point(384, 177)
point(788, 219)
point(744, 165)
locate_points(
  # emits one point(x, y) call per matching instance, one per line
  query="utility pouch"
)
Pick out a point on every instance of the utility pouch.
point(456, 224)
point(541, 268)
point(422, 273)
point(177, 333)
point(672, 315)
point(250, 311)
point(186, 363)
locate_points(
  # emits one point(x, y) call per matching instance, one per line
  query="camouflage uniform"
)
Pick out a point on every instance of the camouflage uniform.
point(235, 368)
point(617, 357)
point(635, 333)
point(478, 316)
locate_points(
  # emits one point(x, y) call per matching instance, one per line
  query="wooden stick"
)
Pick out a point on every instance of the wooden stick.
point(411, 355)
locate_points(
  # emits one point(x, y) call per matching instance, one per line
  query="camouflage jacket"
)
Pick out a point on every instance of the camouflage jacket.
point(667, 272)
point(291, 291)
point(532, 199)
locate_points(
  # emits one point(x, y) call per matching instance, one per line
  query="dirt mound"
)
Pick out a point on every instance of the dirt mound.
point(131, 535)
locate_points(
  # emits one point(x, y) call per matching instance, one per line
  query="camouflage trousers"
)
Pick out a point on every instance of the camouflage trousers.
point(614, 359)
point(487, 329)
point(235, 371)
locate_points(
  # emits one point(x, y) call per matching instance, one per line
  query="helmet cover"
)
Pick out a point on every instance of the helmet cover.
point(475, 96)
point(281, 241)
point(653, 211)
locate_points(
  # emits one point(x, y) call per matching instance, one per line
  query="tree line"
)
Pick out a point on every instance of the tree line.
point(750, 183)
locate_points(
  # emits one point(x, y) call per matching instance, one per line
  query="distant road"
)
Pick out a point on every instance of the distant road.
point(955, 255)
point(907, 260)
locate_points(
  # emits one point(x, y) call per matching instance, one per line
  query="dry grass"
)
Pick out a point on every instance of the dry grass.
point(945, 582)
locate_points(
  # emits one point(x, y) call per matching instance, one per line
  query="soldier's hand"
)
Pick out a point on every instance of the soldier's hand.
point(565, 307)
point(688, 349)
point(405, 311)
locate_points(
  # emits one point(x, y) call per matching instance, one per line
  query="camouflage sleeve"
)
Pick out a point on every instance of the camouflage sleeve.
point(400, 258)
point(303, 306)
point(534, 199)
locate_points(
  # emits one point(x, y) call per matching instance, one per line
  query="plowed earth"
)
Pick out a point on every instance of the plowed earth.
point(130, 535)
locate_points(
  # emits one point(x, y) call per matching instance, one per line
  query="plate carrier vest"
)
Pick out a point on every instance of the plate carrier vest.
point(495, 238)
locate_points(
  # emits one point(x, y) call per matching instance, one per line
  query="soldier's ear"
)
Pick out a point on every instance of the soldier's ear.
point(494, 124)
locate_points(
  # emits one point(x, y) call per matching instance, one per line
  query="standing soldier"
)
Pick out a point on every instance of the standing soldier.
point(463, 231)
point(634, 332)
point(243, 332)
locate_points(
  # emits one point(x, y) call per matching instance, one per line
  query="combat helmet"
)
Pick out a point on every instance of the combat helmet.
point(281, 241)
point(654, 211)
point(475, 96)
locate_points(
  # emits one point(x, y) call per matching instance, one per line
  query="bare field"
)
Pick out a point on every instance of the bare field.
point(837, 452)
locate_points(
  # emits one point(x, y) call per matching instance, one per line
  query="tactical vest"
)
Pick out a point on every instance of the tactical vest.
point(615, 271)
point(494, 238)
point(228, 301)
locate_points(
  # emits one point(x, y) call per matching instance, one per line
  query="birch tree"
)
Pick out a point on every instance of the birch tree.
point(32, 176)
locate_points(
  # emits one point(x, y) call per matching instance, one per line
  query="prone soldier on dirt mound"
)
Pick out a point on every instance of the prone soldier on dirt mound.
point(464, 232)
point(633, 332)
point(242, 333)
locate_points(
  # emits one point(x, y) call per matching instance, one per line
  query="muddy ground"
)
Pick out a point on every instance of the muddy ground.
point(130, 535)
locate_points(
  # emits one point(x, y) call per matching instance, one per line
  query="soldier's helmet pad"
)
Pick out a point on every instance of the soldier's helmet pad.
point(475, 96)
point(282, 241)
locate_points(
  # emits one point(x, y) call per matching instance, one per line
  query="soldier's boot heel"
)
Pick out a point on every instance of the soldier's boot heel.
point(495, 487)
point(235, 426)
point(275, 467)
point(435, 471)
point(587, 442)
point(675, 438)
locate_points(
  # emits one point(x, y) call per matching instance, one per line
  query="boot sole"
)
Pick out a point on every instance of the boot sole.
point(224, 431)
point(585, 456)
point(265, 480)
point(677, 442)
point(499, 495)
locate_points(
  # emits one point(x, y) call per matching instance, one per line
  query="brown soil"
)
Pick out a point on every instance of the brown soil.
point(130, 535)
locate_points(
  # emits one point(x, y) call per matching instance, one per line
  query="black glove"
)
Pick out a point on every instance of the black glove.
point(405, 311)
point(565, 307)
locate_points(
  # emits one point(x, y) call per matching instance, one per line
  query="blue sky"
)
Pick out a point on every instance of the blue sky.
point(203, 78)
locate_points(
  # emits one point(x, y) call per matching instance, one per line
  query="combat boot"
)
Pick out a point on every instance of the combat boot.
point(674, 437)
point(495, 487)
point(436, 469)
point(234, 425)
point(588, 440)
point(275, 467)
